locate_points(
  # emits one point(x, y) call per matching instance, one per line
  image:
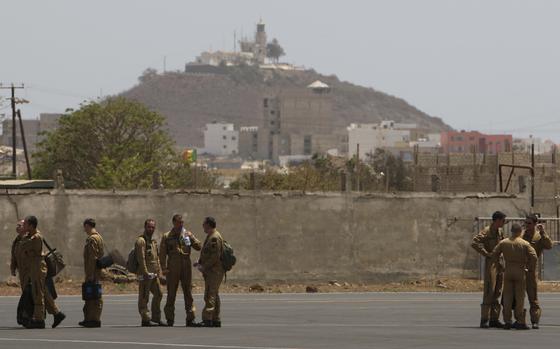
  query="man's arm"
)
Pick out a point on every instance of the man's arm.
point(545, 241)
point(140, 247)
point(494, 255)
point(90, 260)
point(163, 255)
point(532, 258)
point(13, 261)
point(195, 243)
point(478, 243)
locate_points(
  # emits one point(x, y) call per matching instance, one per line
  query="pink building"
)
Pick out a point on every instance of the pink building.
point(467, 142)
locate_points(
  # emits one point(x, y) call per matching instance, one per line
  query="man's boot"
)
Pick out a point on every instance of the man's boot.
point(58, 318)
point(535, 326)
point(507, 326)
point(519, 326)
point(495, 324)
point(36, 324)
point(217, 323)
point(484, 323)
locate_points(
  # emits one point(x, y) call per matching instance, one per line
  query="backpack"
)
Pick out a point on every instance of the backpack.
point(228, 259)
point(132, 262)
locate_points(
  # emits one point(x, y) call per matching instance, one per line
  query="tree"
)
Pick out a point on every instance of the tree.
point(274, 51)
point(117, 143)
point(148, 75)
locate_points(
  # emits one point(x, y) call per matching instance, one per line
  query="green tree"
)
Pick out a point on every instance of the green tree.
point(117, 143)
point(274, 51)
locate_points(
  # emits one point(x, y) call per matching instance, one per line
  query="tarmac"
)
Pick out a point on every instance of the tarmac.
point(274, 321)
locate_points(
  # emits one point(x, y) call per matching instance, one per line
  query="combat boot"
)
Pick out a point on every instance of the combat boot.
point(484, 324)
point(535, 326)
point(170, 323)
point(157, 323)
point(191, 323)
point(507, 326)
point(206, 323)
point(495, 324)
point(519, 326)
point(36, 324)
point(58, 318)
point(217, 323)
point(90, 324)
point(146, 324)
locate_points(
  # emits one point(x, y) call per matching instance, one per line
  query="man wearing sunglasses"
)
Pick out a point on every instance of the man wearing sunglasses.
point(534, 234)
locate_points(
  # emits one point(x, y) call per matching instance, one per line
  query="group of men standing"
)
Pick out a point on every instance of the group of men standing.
point(520, 252)
point(170, 262)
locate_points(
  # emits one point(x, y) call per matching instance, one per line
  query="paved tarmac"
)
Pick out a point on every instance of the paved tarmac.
point(271, 321)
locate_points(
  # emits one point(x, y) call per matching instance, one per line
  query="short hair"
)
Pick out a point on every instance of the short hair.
point(498, 215)
point(532, 217)
point(515, 228)
point(90, 222)
point(32, 220)
point(148, 221)
point(176, 217)
point(211, 221)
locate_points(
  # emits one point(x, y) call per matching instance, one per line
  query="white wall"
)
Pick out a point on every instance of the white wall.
point(221, 139)
point(371, 137)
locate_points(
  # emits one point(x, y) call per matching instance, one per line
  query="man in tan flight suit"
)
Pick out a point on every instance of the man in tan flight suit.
point(93, 250)
point(33, 262)
point(484, 243)
point(149, 272)
point(175, 261)
point(210, 264)
point(540, 241)
point(16, 262)
point(520, 257)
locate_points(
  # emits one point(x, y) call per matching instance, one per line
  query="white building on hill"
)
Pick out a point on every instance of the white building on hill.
point(387, 134)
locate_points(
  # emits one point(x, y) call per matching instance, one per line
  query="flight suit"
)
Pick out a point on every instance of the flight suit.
point(539, 243)
point(35, 272)
point(93, 250)
point(16, 262)
point(148, 262)
point(213, 272)
point(174, 256)
point(484, 243)
point(519, 257)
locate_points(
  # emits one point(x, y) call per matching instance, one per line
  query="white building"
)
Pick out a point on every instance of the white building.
point(387, 134)
point(524, 145)
point(221, 139)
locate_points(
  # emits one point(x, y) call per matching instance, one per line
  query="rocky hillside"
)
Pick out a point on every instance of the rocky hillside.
point(234, 94)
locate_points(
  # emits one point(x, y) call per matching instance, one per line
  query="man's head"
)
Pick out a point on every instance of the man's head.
point(19, 227)
point(498, 219)
point(177, 221)
point(531, 222)
point(209, 224)
point(89, 225)
point(515, 230)
point(30, 223)
point(149, 226)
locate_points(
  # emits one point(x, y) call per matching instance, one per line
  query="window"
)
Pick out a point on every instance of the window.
point(272, 112)
point(307, 145)
point(233, 138)
point(224, 137)
point(265, 102)
point(225, 146)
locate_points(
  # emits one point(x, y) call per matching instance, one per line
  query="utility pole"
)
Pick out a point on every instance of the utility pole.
point(24, 145)
point(13, 88)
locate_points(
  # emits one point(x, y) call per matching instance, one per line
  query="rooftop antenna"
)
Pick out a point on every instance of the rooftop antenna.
point(234, 41)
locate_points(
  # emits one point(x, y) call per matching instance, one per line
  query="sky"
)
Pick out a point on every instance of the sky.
point(487, 65)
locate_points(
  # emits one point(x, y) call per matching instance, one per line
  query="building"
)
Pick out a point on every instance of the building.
point(524, 145)
point(299, 121)
point(474, 141)
point(249, 142)
point(387, 134)
point(33, 130)
point(221, 139)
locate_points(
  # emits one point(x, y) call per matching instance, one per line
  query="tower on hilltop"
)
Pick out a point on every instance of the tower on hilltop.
point(259, 50)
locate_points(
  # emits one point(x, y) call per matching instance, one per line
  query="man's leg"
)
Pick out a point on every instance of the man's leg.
point(157, 295)
point(508, 300)
point(186, 285)
point(172, 285)
point(143, 298)
point(535, 309)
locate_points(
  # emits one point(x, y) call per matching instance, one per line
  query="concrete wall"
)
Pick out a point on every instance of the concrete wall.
point(278, 236)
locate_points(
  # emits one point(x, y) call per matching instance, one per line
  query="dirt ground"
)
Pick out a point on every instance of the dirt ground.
point(73, 287)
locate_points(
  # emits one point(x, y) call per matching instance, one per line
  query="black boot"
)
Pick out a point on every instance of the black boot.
point(36, 324)
point(217, 323)
point(170, 323)
point(58, 318)
point(191, 323)
point(507, 326)
point(519, 326)
point(146, 323)
point(207, 323)
point(535, 326)
point(484, 323)
point(495, 324)
point(90, 324)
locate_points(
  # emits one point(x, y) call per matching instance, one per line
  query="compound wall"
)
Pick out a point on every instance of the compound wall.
point(278, 236)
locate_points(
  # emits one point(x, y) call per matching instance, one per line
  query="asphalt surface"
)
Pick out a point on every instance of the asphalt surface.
point(250, 321)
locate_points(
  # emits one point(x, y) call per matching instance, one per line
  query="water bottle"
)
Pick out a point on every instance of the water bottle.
point(186, 238)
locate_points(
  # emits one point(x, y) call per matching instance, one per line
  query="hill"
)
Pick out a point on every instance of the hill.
point(234, 94)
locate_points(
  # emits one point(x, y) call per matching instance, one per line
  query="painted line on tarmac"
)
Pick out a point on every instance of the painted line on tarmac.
point(136, 343)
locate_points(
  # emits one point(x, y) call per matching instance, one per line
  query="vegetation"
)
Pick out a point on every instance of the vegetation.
point(117, 143)
point(274, 51)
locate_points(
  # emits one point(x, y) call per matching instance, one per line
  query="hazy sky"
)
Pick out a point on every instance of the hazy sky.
point(491, 65)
